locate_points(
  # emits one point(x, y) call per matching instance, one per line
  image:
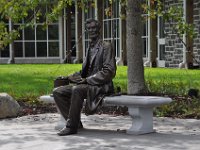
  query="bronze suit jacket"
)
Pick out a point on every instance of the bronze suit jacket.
point(103, 70)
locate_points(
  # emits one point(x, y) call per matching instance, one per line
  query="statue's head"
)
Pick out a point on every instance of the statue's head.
point(93, 28)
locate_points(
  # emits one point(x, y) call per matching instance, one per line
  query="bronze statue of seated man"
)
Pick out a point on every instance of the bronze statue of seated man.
point(94, 80)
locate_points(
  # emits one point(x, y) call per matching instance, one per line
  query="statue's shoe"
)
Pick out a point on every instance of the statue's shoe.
point(67, 131)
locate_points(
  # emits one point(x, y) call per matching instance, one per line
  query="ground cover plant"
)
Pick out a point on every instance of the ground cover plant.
point(28, 81)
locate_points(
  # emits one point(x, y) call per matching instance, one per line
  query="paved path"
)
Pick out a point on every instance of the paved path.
point(102, 132)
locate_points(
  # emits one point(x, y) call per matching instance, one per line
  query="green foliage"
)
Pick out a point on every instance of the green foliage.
point(6, 37)
point(181, 107)
point(171, 81)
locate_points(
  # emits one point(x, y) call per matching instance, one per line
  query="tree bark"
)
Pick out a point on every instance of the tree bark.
point(136, 83)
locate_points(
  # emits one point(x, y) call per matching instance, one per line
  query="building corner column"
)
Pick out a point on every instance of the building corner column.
point(61, 38)
point(122, 30)
point(188, 41)
point(152, 40)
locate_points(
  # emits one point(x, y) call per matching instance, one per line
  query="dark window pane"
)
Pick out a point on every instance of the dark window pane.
point(18, 49)
point(53, 49)
point(144, 47)
point(4, 52)
point(86, 35)
point(29, 33)
point(144, 29)
point(107, 29)
point(74, 49)
point(29, 49)
point(53, 32)
point(115, 28)
point(115, 9)
point(117, 48)
point(41, 49)
point(41, 33)
point(162, 52)
point(162, 28)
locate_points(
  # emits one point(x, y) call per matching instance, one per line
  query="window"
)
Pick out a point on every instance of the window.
point(145, 36)
point(38, 40)
point(111, 25)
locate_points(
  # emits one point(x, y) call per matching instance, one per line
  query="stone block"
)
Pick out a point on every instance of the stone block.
point(8, 106)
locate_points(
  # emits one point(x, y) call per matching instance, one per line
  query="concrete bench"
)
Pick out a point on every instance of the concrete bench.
point(140, 109)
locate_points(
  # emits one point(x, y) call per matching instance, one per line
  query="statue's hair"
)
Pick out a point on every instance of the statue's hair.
point(97, 23)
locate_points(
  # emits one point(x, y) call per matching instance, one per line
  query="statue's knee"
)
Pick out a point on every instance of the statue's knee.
point(75, 89)
point(55, 91)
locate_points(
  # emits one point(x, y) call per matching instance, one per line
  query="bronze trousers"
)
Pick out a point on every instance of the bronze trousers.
point(69, 100)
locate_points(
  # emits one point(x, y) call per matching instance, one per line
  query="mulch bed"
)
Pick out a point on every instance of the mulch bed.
point(33, 109)
point(39, 108)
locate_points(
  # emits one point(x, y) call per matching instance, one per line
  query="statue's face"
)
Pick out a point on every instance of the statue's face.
point(93, 30)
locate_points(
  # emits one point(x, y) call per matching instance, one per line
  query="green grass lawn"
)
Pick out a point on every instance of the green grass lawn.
point(30, 81)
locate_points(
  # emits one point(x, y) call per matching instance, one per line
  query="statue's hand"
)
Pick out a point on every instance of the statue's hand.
point(83, 81)
point(74, 78)
point(70, 77)
point(62, 78)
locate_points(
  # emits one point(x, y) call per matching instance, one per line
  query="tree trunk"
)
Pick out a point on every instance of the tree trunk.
point(136, 83)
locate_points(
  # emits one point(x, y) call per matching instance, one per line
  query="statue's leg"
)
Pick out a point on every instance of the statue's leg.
point(62, 122)
point(79, 93)
point(62, 97)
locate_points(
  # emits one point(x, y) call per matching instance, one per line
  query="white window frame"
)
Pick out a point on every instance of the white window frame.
point(23, 40)
point(113, 20)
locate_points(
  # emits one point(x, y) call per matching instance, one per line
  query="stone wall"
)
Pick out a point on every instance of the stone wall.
point(174, 47)
point(197, 29)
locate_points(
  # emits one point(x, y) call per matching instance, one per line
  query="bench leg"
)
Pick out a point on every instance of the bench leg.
point(142, 120)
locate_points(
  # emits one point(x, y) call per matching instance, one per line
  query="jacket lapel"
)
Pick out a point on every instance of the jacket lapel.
point(84, 65)
point(97, 47)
